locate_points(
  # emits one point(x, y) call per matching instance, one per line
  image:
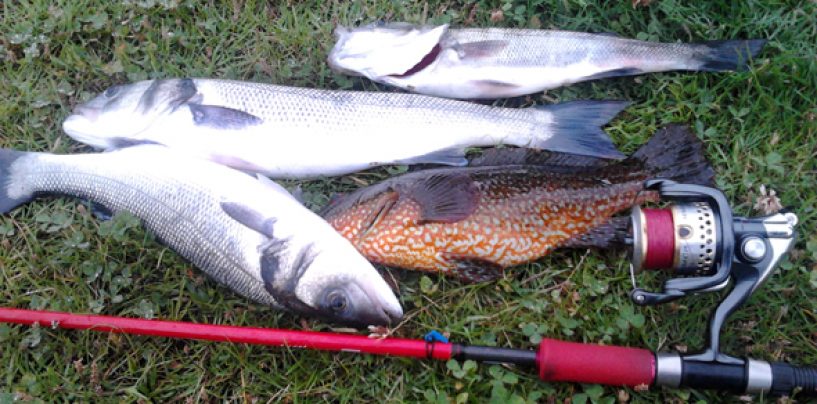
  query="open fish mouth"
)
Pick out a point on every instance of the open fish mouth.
point(389, 312)
point(426, 61)
point(385, 50)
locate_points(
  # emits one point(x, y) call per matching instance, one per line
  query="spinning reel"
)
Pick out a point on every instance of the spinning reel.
point(700, 240)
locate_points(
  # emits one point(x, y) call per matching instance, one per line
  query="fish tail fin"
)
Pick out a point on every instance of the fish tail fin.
point(575, 127)
point(675, 153)
point(9, 198)
point(717, 56)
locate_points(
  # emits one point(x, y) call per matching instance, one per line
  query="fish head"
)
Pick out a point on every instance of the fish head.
point(345, 288)
point(122, 113)
point(333, 282)
point(380, 50)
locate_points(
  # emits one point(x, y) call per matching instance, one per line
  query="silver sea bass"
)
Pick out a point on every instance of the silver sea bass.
point(289, 132)
point(497, 62)
point(246, 233)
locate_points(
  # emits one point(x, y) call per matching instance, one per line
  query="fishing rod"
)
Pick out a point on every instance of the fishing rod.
point(697, 238)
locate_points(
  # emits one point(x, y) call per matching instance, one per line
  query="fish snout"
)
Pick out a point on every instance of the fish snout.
point(386, 309)
point(393, 314)
point(336, 62)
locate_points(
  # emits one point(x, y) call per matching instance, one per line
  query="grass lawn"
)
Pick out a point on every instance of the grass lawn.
point(759, 127)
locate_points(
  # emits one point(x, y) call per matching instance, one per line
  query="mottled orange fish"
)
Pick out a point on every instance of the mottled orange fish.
point(474, 221)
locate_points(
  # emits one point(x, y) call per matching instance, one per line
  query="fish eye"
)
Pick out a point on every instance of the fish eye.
point(110, 92)
point(337, 301)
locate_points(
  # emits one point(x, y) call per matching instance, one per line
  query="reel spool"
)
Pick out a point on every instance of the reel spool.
point(683, 238)
point(693, 238)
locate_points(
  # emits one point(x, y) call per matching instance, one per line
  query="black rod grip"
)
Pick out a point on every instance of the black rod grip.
point(713, 375)
point(787, 378)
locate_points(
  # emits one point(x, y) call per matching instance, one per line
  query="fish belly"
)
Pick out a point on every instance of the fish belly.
point(180, 210)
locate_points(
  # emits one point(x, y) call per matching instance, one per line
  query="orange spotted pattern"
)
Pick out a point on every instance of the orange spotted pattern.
point(520, 216)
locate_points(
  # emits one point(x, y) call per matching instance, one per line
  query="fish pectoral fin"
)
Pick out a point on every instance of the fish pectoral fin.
point(473, 269)
point(100, 211)
point(480, 49)
point(446, 198)
point(123, 142)
point(237, 163)
point(624, 71)
point(297, 194)
point(218, 117)
point(249, 217)
point(611, 233)
point(493, 86)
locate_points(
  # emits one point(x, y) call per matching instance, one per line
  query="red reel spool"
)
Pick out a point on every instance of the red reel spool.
point(682, 238)
point(660, 231)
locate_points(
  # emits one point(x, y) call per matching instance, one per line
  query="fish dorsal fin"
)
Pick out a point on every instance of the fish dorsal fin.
point(218, 117)
point(479, 49)
point(446, 197)
point(249, 217)
point(521, 156)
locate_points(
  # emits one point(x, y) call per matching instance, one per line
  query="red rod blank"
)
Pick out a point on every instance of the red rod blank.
point(324, 341)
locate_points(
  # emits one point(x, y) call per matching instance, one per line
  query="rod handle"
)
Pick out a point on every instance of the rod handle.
point(787, 378)
point(590, 363)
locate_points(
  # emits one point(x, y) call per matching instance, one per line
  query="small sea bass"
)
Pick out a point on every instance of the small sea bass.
point(472, 222)
point(474, 63)
point(246, 233)
point(287, 132)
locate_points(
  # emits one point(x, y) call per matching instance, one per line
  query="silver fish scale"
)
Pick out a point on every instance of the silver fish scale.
point(352, 111)
point(564, 48)
point(183, 214)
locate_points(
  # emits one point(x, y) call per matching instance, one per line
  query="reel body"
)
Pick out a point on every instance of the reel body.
point(700, 240)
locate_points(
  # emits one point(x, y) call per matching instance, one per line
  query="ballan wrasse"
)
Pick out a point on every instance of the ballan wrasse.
point(472, 222)
point(247, 233)
point(289, 132)
point(474, 63)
